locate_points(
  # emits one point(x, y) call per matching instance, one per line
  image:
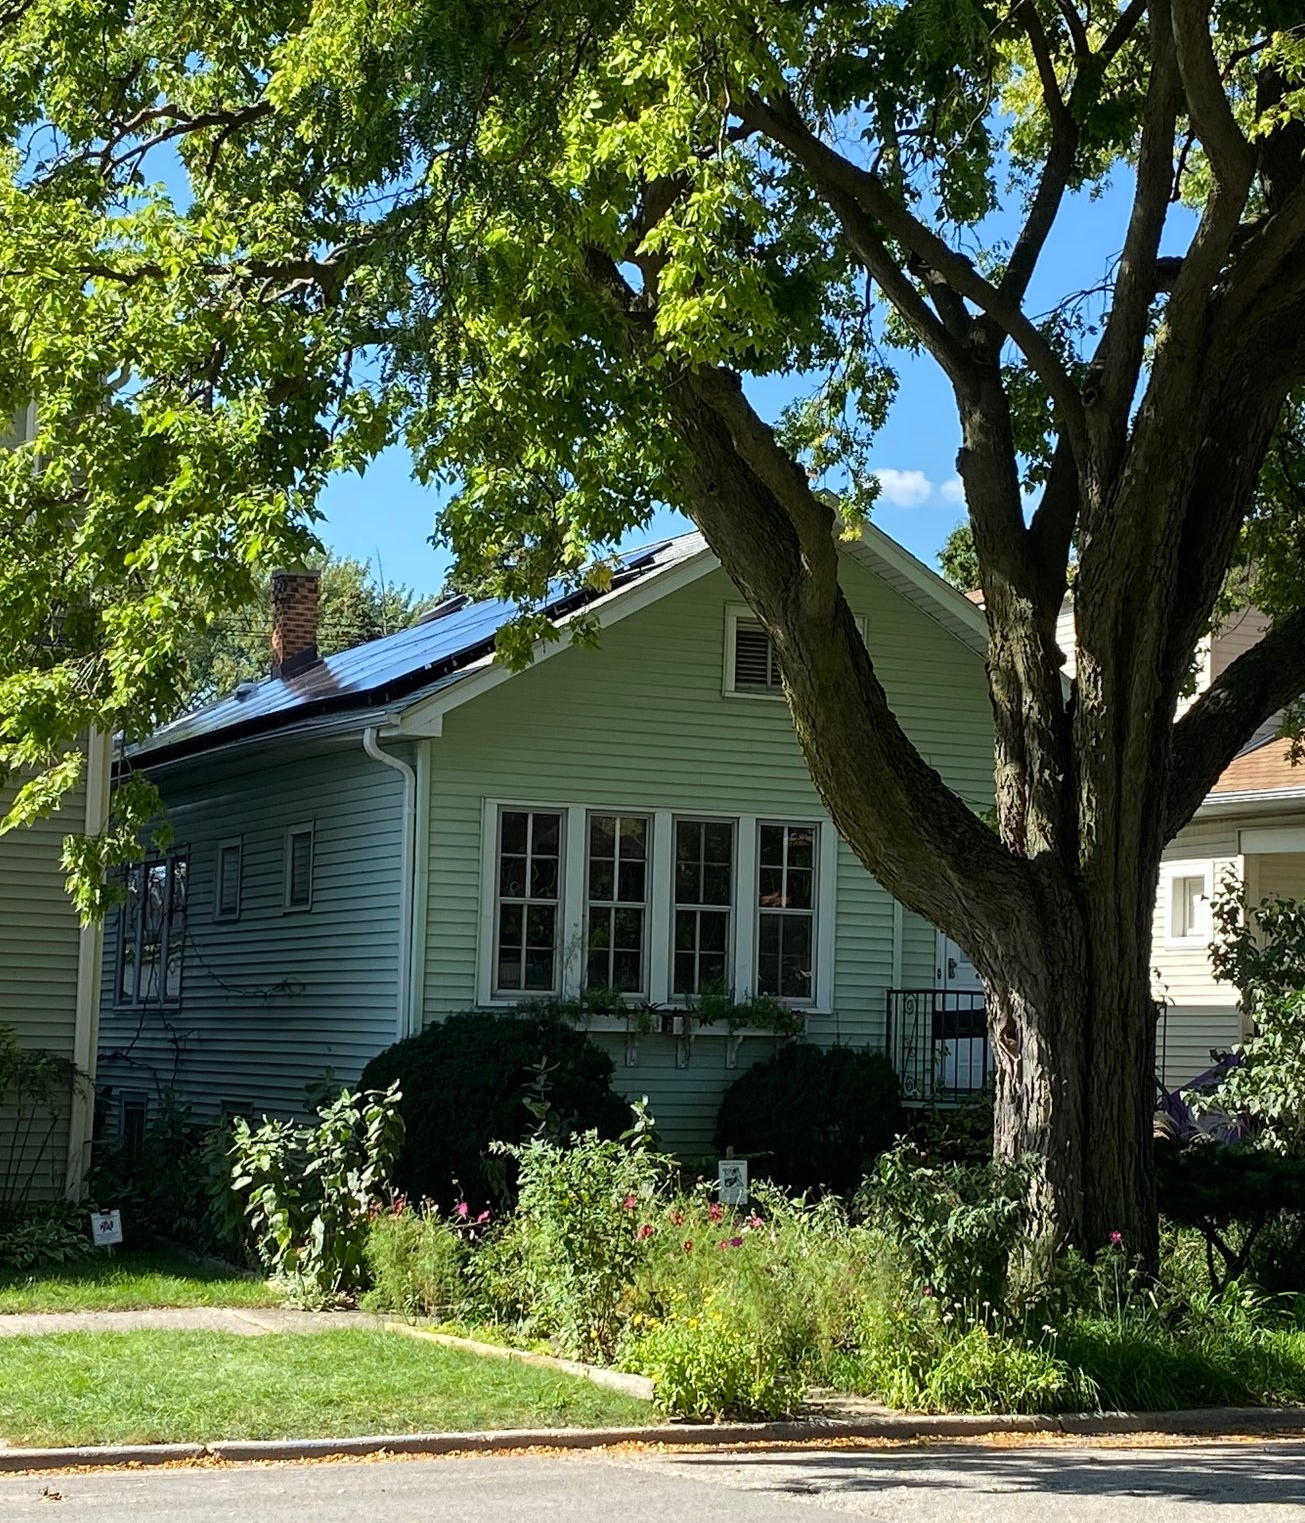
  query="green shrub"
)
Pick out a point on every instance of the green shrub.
point(581, 1228)
point(415, 1262)
point(177, 1186)
point(465, 1082)
point(717, 1364)
point(46, 1234)
point(1247, 1203)
point(311, 1191)
point(952, 1229)
point(810, 1117)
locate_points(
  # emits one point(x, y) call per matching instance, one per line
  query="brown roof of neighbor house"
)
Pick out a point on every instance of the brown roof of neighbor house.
point(1262, 768)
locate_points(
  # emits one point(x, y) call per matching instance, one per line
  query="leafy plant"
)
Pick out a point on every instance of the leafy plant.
point(310, 1191)
point(810, 1117)
point(717, 1365)
point(415, 1262)
point(1262, 951)
point(954, 1228)
point(41, 1235)
point(465, 1082)
point(579, 1233)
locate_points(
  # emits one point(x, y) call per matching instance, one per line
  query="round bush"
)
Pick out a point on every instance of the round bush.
point(464, 1084)
point(817, 1118)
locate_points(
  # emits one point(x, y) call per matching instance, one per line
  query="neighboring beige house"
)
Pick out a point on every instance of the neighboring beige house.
point(49, 961)
point(50, 972)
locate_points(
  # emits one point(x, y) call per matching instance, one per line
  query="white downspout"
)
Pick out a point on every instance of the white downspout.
point(408, 856)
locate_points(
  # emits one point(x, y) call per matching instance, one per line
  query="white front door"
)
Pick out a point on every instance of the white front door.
point(954, 968)
point(961, 1051)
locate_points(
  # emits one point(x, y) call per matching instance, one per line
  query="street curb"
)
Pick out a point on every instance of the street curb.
point(638, 1386)
point(902, 1426)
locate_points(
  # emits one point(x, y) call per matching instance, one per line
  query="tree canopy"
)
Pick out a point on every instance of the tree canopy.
point(552, 247)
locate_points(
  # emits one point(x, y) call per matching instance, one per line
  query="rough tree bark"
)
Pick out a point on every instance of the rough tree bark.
point(1154, 470)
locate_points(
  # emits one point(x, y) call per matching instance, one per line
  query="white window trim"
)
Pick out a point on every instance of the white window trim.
point(741, 612)
point(736, 614)
point(309, 828)
point(1170, 873)
point(818, 891)
point(570, 937)
point(733, 938)
point(238, 844)
point(660, 927)
point(640, 994)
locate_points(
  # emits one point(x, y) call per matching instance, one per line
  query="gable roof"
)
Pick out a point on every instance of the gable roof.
point(1263, 765)
point(455, 642)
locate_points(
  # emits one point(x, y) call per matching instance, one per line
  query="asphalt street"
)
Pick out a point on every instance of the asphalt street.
point(1243, 1483)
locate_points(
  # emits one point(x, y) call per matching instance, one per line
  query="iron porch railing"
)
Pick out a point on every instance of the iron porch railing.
point(938, 1042)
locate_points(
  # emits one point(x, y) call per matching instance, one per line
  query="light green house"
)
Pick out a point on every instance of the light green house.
point(370, 842)
point(49, 988)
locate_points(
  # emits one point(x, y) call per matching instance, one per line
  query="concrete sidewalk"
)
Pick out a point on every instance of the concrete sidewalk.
point(247, 1321)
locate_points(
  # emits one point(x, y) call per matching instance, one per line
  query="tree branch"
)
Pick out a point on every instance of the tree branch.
point(831, 173)
point(1259, 682)
point(1231, 156)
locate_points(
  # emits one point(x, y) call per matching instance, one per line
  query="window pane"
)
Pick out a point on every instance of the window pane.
point(634, 838)
point(798, 896)
point(628, 930)
point(631, 882)
point(540, 920)
point(602, 880)
point(627, 972)
point(546, 834)
point(685, 968)
point(713, 931)
point(300, 893)
point(515, 830)
point(770, 886)
point(602, 835)
point(801, 847)
point(715, 885)
point(770, 846)
point(600, 930)
point(686, 930)
point(512, 877)
point(718, 841)
point(688, 842)
point(543, 877)
point(795, 965)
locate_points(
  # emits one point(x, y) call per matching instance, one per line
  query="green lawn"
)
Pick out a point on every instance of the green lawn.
point(140, 1387)
point(126, 1282)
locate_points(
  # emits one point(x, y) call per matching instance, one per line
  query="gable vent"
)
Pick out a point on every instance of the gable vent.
point(755, 666)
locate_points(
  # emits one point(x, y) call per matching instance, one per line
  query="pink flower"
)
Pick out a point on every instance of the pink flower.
point(1116, 1238)
point(754, 1221)
point(927, 1291)
point(462, 1210)
point(482, 1218)
point(677, 1218)
point(630, 1202)
point(646, 1231)
point(715, 1212)
point(688, 1245)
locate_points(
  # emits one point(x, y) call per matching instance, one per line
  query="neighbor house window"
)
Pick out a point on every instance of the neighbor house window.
point(1189, 907)
point(617, 904)
point(152, 932)
point(299, 867)
point(227, 898)
point(751, 664)
point(133, 1118)
point(528, 900)
point(786, 910)
point(703, 891)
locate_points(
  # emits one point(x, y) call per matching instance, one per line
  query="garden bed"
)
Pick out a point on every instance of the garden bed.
point(193, 1387)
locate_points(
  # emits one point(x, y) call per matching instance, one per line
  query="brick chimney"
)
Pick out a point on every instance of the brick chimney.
point(294, 621)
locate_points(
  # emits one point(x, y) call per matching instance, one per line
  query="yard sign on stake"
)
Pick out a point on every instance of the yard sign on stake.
point(732, 1182)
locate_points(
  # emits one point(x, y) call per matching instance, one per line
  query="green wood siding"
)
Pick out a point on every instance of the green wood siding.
point(272, 1000)
point(642, 723)
point(39, 936)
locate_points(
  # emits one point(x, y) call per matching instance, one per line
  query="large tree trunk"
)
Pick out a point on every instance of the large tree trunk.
point(1073, 1032)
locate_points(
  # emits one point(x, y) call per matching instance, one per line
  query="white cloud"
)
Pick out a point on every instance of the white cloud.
point(953, 490)
point(904, 489)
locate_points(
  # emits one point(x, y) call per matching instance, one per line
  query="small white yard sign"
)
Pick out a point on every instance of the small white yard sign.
point(732, 1182)
point(106, 1228)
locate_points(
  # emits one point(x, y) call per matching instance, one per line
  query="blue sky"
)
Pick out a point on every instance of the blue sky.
point(387, 517)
